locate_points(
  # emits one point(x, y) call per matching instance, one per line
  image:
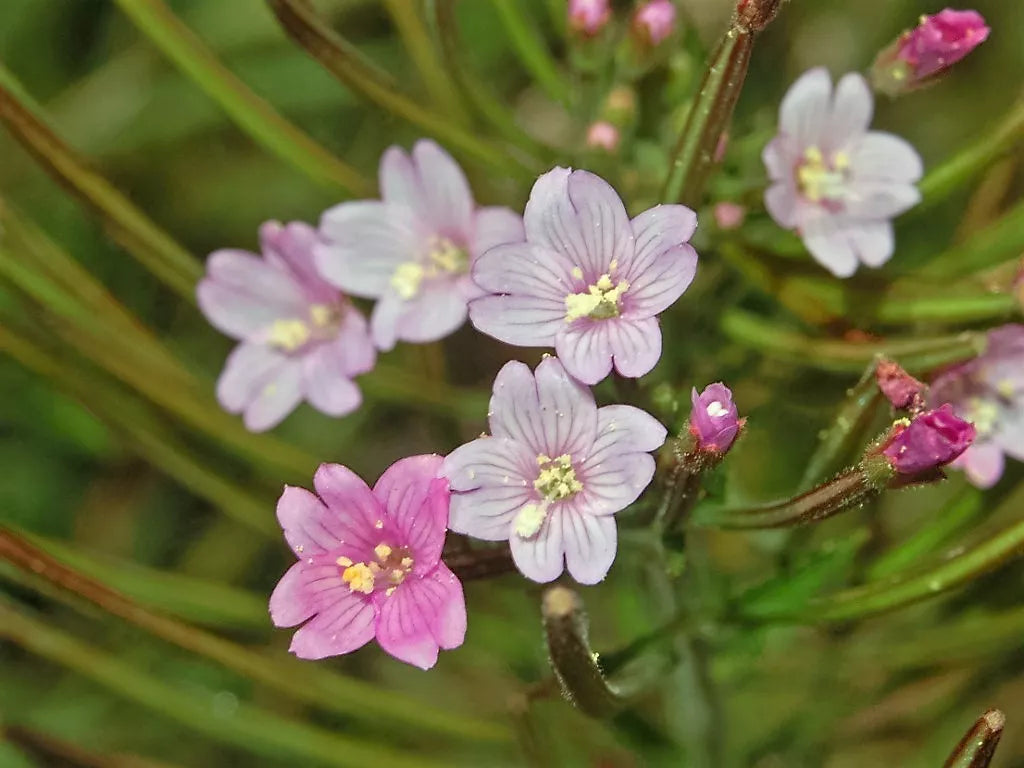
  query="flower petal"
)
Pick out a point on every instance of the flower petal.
point(248, 369)
point(881, 156)
point(657, 230)
point(665, 277)
point(303, 591)
point(873, 241)
point(353, 343)
point(277, 397)
point(495, 225)
point(384, 320)
point(436, 311)
point(366, 241)
point(590, 543)
point(636, 345)
point(780, 200)
point(526, 321)
point(326, 383)
point(290, 247)
point(983, 464)
point(346, 624)
point(449, 627)
point(852, 107)
point(399, 180)
point(416, 502)
point(421, 615)
point(619, 468)
point(310, 528)
point(540, 557)
point(584, 347)
point(354, 515)
point(804, 113)
point(491, 480)
point(528, 270)
point(446, 192)
point(829, 245)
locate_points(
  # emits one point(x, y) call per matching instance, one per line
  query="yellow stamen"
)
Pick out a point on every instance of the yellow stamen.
point(818, 180)
point(406, 279)
point(600, 301)
point(530, 519)
point(359, 578)
point(382, 551)
point(343, 561)
point(288, 335)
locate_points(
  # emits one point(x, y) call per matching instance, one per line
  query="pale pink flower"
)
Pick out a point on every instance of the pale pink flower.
point(588, 280)
point(369, 564)
point(301, 338)
point(988, 391)
point(603, 135)
point(655, 20)
point(413, 249)
point(553, 473)
point(729, 216)
point(834, 181)
point(589, 16)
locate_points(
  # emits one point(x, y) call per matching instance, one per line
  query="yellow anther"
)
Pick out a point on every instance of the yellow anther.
point(577, 273)
point(406, 562)
point(323, 315)
point(817, 180)
point(359, 578)
point(288, 334)
point(557, 478)
point(382, 551)
point(343, 561)
point(1006, 388)
point(530, 519)
point(600, 301)
point(407, 278)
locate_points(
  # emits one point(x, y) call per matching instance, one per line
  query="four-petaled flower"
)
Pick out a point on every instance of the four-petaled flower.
point(370, 564)
point(300, 337)
point(554, 471)
point(413, 249)
point(588, 280)
point(834, 181)
point(989, 392)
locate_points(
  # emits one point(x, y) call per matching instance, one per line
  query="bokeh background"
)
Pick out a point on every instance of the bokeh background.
point(115, 460)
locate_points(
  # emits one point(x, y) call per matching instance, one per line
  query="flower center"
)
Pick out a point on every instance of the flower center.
point(390, 566)
point(599, 302)
point(555, 481)
point(820, 179)
point(443, 259)
point(983, 414)
point(290, 333)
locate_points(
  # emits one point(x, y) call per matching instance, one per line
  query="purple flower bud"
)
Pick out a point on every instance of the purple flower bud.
point(603, 135)
point(934, 45)
point(714, 421)
point(589, 16)
point(932, 440)
point(654, 21)
point(900, 388)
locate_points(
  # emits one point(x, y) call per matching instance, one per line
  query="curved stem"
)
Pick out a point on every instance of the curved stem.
point(978, 745)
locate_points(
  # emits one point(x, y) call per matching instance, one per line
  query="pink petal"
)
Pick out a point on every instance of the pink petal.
point(248, 369)
point(829, 245)
point(657, 230)
point(366, 241)
point(310, 528)
point(526, 321)
point(584, 347)
point(590, 544)
point(495, 225)
point(356, 517)
point(384, 320)
point(541, 556)
point(347, 624)
point(983, 464)
point(353, 343)
point(305, 590)
point(290, 247)
point(491, 480)
point(436, 311)
point(326, 383)
point(449, 201)
point(880, 156)
point(550, 414)
point(804, 114)
point(852, 107)
point(873, 241)
point(780, 199)
point(276, 399)
point(449, 627)
point(399, 181)
point(622, 428)
point(528, 270)
point(780, 158)
point(242, 294)
point(416, 502)
point(665, 277)
point(636, 345)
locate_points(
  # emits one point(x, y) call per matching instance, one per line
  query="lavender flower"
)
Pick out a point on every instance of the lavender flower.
point(655, 20)
point(300, 337)
point(834, 181)
point(714, 421)
point(589, 17)
point(588, 280)
point(989, 392)
point(554, 472)
point(932, 440)
point(934, 45)
point(370, 564)
point(413, 249)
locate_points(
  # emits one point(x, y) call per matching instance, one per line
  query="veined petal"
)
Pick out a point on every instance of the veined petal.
point(290, 248)
point(446, 193)
point(310, 528)
point(623, 428)
point(491, 480)
point(416, 502)
point(585, 348)
point(356, 517)
point(664, 278)
point(303, 591)
point(449, 626)
point(780, 200)
point(658, 230)
point(635, 345)
point(527, 270)
point(405, 622)
point(495, 225)
point(590, 543)
point(805, 110)
point(540, 557)
point(526, 321)
point(344, 625)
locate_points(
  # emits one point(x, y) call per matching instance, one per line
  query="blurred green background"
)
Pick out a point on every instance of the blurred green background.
point(116, 460)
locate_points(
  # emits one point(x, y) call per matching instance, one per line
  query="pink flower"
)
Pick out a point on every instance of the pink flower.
point(930, 441)
point(655, 20)
point(414, 248)
point(589, 16)
point(554, 472)
point(834, 181)
point(370, 565)
point(714, 421)
point(301, 339)
point(588, 280)
point(989, 392)
point(603, 135)
point(729, 216)
point(936, 44)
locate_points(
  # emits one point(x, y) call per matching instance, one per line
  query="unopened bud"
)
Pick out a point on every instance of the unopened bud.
point(589, 17)
point(900, 388)
point(714, 422)
point(929, 442)
point(603, 135)
point(654, 21)
point(729, 216)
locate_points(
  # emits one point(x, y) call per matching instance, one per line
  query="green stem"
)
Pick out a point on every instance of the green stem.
point(531, 49)
point(915, 354)
point(294, 678)
point(959, 169)
point(131, 228)
point(253, 114)
point(339, 58)
point(997, 243)
point(251, 729)
point(406, 18)
point(978, 745)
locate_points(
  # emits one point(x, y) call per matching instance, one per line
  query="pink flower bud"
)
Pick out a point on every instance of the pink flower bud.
point(930, 441)
point(900, 388)
point(729, 216)
point(603, 135)
point(589, 16)
point(934, 45)
point(654, 21)
point(714, 422)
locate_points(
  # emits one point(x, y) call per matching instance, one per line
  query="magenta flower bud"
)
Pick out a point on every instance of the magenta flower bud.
point(654, 21)
point(930, 441)
point(934, 45)
point(900, 388)
point(603, 135)
point(589, 16)
point(714, 421)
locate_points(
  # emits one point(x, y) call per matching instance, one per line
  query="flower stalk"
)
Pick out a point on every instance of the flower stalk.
point(978, 745)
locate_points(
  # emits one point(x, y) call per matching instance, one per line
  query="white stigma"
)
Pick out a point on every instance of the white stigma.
point(716, 410)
